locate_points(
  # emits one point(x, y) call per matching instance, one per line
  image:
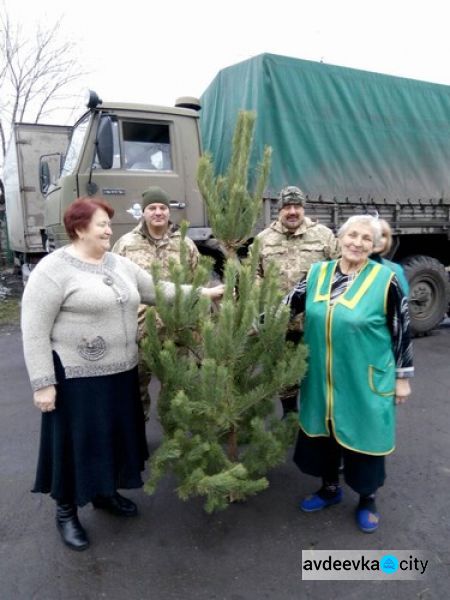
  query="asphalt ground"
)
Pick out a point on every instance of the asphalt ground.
point(174, 550)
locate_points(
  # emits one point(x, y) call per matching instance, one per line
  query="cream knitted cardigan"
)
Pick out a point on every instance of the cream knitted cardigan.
point(86, 313)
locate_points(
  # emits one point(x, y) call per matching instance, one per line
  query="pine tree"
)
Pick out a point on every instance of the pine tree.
point(232, 209)
point(221, 369)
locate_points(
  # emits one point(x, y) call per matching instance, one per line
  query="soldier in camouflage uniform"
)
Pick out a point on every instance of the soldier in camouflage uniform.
point(293, 242)
point(154, 240)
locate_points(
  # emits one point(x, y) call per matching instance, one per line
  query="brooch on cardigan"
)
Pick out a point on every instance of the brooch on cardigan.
point(94, 349)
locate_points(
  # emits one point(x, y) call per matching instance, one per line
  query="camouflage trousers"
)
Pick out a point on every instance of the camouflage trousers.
point(145, 377)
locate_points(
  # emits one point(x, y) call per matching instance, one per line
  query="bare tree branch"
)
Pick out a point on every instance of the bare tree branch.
point(33, 71)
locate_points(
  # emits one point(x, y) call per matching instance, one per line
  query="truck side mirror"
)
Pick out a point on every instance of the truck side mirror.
point(44, 176)
point(105, 144)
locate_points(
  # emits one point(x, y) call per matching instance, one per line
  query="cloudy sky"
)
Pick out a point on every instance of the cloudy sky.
point(155, 51)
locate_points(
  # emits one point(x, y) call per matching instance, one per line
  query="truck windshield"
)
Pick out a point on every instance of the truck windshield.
point(76, 143)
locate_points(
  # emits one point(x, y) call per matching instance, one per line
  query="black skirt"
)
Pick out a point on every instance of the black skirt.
point(94, 442)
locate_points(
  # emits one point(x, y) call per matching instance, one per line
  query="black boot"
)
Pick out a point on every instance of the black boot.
point(289, 404)
point(68, 525)
point(116, 504)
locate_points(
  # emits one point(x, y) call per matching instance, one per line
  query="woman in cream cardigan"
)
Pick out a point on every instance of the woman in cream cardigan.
point(79, 324)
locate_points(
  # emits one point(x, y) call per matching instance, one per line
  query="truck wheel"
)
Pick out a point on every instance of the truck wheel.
point(429, 292)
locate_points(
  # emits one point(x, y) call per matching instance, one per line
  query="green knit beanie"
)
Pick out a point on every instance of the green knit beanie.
point(155, 194)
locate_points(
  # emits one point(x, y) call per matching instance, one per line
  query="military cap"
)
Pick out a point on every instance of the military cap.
point(291, 195)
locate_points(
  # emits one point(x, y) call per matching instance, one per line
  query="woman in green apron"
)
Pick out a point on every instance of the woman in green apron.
point(360, 362)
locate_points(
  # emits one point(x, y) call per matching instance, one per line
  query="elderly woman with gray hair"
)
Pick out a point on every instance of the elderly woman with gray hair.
point(357, 331)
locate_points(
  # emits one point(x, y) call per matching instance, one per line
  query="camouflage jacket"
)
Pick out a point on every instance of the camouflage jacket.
point(142, 249)
point(293, 253)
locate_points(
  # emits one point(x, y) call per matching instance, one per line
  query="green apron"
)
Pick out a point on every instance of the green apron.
point(351, 371)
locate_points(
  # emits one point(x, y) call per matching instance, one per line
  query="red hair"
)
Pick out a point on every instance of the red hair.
point(79, 214)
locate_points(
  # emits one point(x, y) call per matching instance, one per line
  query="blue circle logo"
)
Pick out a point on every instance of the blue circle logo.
point(389, 563)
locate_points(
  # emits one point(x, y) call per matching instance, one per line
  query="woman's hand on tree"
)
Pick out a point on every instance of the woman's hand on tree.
point(214, 293)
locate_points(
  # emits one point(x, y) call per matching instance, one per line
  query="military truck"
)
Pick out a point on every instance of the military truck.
point(24, 201)
point(354, 141)
point(118, 150)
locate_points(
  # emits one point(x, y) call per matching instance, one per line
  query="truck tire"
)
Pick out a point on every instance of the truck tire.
point(429, 292)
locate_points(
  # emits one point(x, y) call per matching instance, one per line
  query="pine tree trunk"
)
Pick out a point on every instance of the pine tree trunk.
point(231, 253)
point(232, 448)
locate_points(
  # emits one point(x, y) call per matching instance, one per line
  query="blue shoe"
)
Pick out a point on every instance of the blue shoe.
point(315, 502)
point(367, 520)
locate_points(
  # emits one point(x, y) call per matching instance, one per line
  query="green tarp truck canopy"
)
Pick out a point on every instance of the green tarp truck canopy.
point(335, 132)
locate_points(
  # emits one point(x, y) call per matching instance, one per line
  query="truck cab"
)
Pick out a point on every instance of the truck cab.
point(117, 151)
